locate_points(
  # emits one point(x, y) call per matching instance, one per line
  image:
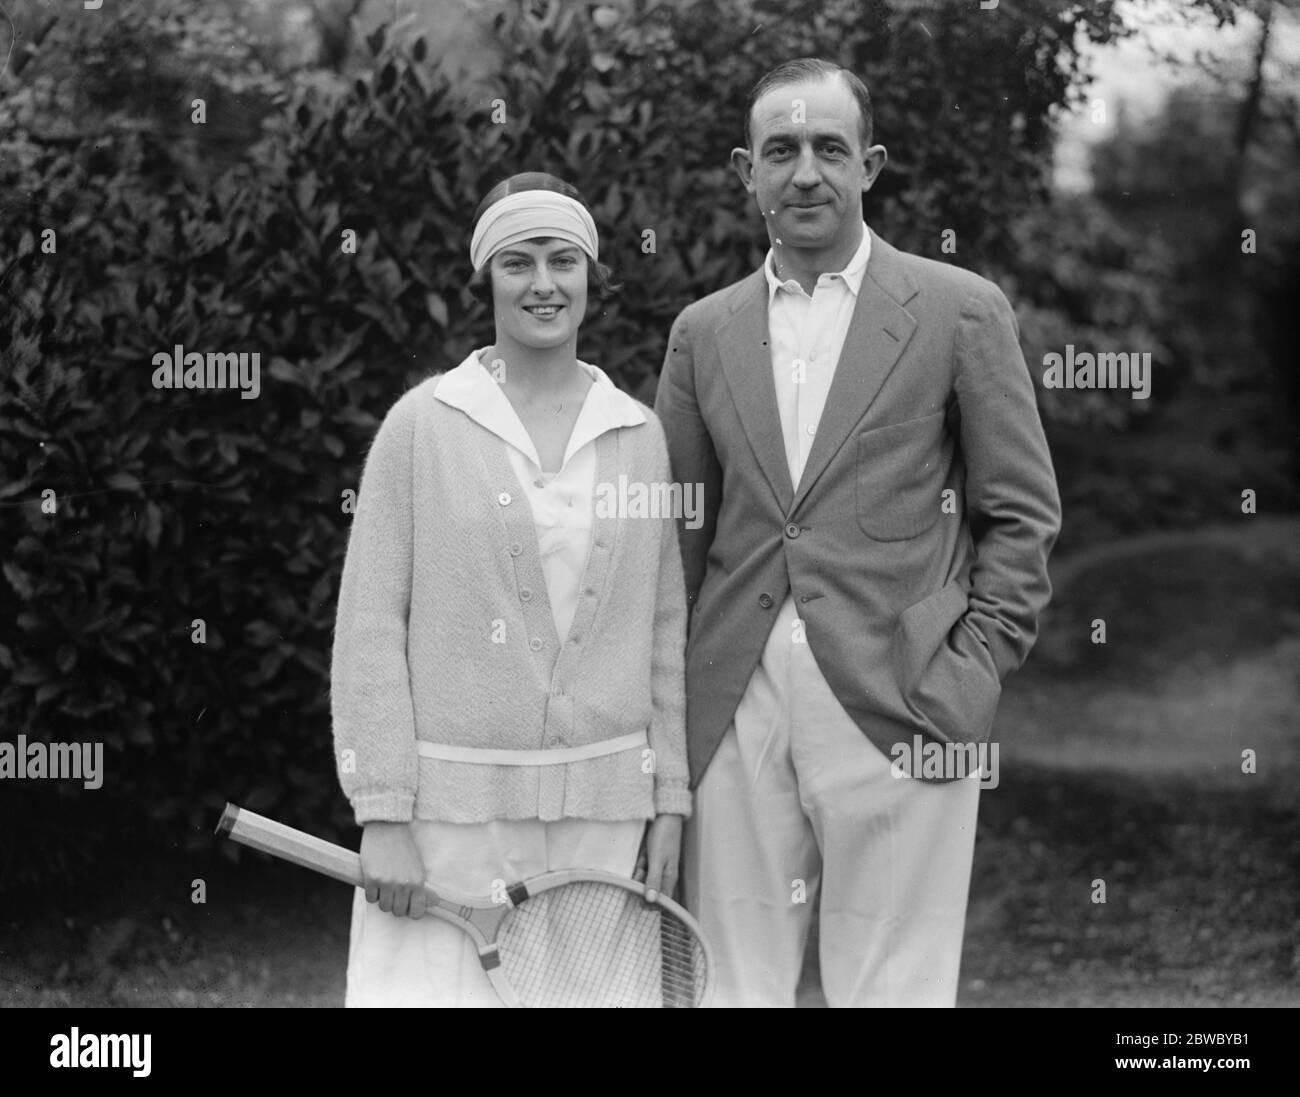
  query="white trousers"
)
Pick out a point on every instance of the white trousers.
point(428, 962)
point(797, 799)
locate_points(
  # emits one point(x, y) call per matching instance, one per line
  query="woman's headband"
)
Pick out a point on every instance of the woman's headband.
point(528, 214)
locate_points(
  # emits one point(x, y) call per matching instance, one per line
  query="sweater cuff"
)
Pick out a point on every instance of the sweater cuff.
point(673, 798)
point(383, 806)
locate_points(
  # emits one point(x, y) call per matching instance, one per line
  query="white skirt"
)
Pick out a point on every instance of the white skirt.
point(429, 962)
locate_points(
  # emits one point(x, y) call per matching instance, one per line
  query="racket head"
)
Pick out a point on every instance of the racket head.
point(588, 939)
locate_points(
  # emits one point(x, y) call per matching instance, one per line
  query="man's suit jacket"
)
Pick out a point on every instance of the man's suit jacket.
point(916, 600)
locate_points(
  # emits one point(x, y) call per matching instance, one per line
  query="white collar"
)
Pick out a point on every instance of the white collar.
point(852, 274)
point(471, 388)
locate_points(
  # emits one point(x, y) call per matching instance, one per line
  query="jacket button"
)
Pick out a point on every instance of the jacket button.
point(792, 529)
point(765, 600)
point(525, 595)
point(504, 498)
point(535, 644)
point(516, 549)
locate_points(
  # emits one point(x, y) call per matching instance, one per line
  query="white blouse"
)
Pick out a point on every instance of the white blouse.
point(563, 502)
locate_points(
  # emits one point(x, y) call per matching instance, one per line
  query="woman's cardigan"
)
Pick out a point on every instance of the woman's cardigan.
point(434, 643)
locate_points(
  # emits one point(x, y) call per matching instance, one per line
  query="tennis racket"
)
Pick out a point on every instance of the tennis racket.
point(576, 937)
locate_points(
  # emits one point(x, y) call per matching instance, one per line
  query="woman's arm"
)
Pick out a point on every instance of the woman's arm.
point(672, 796)
point(668, 660)
point(370, 687)
point(370, 683)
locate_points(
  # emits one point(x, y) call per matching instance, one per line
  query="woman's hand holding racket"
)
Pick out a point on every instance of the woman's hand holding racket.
point(572, 937)
point(393, 869)
point(658, 863)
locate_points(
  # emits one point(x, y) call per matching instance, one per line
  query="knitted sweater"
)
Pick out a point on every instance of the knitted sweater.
point(444, 633)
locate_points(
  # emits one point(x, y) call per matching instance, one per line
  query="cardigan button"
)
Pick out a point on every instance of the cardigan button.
point(535, 644)
point(504, 498)
point(516, 549)
point(525, 595)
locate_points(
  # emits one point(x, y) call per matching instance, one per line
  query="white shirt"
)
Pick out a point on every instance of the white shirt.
point(807, 335)
point(562, 503)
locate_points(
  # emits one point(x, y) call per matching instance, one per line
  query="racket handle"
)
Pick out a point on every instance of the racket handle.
point(259, 832)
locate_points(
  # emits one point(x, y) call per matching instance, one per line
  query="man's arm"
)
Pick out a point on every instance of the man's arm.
point(1012, 500)
point(691, 452)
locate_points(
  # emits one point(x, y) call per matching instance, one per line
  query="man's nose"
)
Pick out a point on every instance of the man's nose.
point(806, 171)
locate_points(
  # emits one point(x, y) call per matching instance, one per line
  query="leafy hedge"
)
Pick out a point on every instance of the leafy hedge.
point(176, 506)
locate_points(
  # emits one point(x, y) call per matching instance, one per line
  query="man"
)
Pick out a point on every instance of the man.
point(879, 505)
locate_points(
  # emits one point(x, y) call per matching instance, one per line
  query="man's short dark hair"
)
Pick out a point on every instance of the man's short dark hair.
point(600, 279)
point(811, 68)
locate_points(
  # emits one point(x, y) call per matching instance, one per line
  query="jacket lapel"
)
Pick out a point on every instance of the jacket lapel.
point(877, 335)
point(747, 365)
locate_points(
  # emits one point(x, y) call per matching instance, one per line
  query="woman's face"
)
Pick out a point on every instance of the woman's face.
point(539, 292)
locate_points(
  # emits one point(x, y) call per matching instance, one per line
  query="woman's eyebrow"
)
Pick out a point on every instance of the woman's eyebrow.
point(509, 253)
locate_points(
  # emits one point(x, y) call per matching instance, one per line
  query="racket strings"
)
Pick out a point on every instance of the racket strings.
point(594, 944)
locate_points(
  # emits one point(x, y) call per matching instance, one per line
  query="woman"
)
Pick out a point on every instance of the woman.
point(507, 678)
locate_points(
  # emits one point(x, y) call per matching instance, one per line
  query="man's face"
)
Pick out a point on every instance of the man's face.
point(806, 166)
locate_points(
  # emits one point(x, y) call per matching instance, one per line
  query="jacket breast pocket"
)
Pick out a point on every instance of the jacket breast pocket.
point(900, 477)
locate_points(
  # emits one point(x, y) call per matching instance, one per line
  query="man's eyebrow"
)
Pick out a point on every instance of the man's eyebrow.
point(793, 137)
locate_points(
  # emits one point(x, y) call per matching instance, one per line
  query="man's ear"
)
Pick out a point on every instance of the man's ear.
point(873, 162)
point(744, 165)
